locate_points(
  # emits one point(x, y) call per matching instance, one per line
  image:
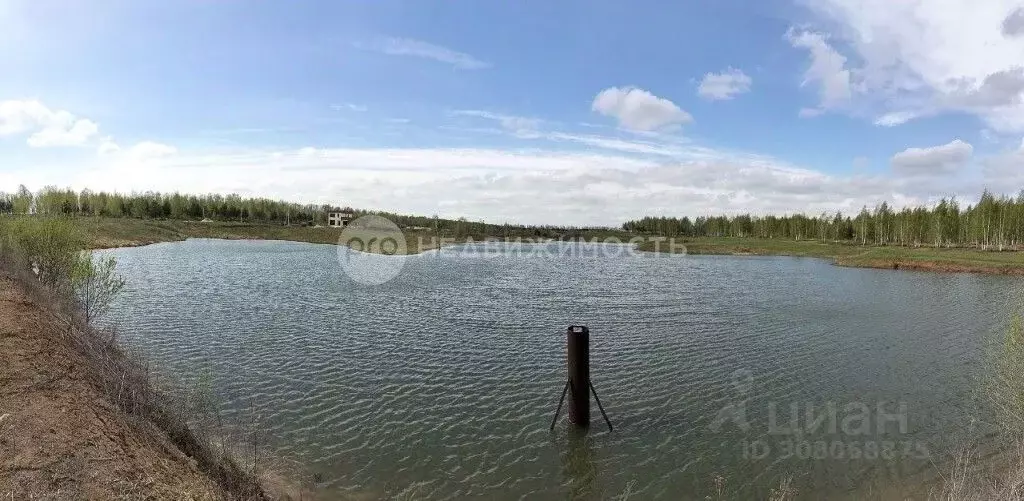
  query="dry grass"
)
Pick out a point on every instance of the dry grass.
point(972, 479)
point(126, 382)
point(973, 476)
point(785, 491)
point(845, 253)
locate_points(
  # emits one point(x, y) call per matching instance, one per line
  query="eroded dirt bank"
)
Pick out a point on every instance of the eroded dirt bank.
point(60, 436)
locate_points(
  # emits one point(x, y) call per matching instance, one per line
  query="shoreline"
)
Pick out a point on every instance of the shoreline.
point(876, 264)
point(848, 255)
point(110, 233)
point(75, 400)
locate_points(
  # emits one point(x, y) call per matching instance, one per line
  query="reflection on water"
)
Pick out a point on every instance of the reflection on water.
point(578, 467)
point(446, 377)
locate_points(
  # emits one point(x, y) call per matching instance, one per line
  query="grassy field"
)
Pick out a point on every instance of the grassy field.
point(103, 233)
point(850, 254)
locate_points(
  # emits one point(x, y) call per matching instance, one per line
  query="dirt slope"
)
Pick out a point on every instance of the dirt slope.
point(60, 438)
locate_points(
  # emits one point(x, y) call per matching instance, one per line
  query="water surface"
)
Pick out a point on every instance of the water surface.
point(444, 380)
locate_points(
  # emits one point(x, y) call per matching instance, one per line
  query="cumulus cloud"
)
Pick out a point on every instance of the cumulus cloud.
point(918, 59)
point(1004, 169)
point(1013, 25)
point(151, 149)
point(725, 85)
point(561, 187)
point(426, 50)
point(944, 159)
point(895, 118)
point(1002, 88)
point(107, 146)
point(827, 69)
point(638, 109)
point(144, 150)
point(46, 127)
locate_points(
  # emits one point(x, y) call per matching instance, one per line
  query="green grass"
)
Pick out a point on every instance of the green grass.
point(103, 232)
point(851, 254)
point(123, 232)
point(930, 258)
point(758, 247)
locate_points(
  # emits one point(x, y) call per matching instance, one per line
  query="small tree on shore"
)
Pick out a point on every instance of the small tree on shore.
point(95, 284)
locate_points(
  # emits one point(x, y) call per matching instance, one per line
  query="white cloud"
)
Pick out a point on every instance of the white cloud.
point(611, 143)
point(151, 149)
point(144, 150)
point(581, 188)
point(532, 128)
point(419, 48)
point(638, 109)
point(523, 126)
point(1013, 25)
point(349, 107)
point(895, 118)
point(107, 146)
point(827, 69)
point(50, 128)
point(922, 57)
point(725, 85)
point(46, 127)
point(1004, 169)
point(999, 89)
point(72, 133)
point(944, 159)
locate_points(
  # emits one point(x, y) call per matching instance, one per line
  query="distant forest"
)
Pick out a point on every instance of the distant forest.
point(51, 201)
point(994, 222)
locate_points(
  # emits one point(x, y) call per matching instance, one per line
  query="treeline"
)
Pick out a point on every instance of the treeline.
point(51, 201)
point(994, 222)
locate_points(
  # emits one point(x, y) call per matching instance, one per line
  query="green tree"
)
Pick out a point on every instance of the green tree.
point(21, 202)
point(95, 284)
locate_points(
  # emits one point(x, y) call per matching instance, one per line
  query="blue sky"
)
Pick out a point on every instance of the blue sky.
point(534, 112)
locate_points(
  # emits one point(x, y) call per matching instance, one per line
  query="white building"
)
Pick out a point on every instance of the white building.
point(338, 219)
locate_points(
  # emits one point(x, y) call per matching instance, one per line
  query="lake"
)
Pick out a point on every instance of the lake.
point(719, 373)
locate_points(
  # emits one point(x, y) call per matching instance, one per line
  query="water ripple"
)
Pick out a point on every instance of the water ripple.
point(443, 381)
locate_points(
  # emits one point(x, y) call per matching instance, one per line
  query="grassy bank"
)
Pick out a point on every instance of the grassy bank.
point(102, 232)
point(859, 256)
point(105, 233)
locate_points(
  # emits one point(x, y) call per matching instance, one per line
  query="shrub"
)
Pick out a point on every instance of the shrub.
point(95, 284)
point(49, 246)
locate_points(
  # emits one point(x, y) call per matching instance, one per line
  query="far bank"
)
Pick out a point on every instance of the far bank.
point(104, 233)
point(936, 259)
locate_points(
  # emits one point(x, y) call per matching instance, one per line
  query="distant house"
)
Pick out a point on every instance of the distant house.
point(338, 219)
